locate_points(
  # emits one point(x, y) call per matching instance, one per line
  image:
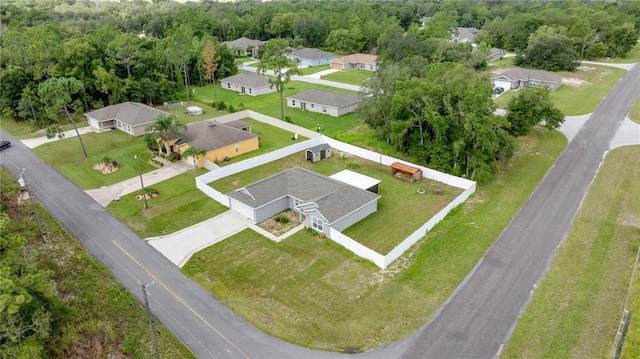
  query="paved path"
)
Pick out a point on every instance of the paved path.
point(318, 75)
point(309, 79)
point(35, 142)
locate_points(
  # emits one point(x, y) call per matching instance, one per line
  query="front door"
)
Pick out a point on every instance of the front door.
point(242, 90)
point(303, 106)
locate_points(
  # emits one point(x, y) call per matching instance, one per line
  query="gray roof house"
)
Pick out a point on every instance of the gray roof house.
point(465, 34)
point(130, 117)
point(245, 45)
point(331, 103)
point(523, 78)
point(247, 84)
point(311, 57)
point(324, 202)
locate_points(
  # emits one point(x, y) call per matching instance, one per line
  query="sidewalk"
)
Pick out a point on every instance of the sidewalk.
point(105, 195)
point(318, 75)
point(309, 79)
point(35, 142)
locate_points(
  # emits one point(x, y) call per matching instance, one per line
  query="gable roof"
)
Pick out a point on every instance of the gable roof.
point(131, 113)
point(248, 80)
point(357, 59)
point(333, 199)
point(210, 135)
point(326, 98)
point(311, 54)
point(520, 74)
point(468, 33)
point(243, 42)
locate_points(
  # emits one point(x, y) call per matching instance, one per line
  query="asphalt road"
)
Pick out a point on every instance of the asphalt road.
point(481, 315)
point(475, 321)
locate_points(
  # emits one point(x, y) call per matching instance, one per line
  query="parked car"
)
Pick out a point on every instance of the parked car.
point(499, 90)
point(4, 144)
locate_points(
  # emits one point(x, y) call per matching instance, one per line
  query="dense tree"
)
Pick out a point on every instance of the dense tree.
point(275, 59)
point(310, 29)
point(549, 50)
point(530, 107)
point(621, 40)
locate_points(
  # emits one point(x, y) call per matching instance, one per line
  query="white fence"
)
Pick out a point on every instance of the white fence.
point(380, 260)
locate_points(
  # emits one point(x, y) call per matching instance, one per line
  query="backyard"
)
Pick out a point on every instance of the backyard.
point(353, 77)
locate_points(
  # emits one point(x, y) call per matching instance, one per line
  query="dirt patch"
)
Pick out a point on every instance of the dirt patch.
point(276, 225)
point(572, 81)
point(151, 193)
point(106, 168)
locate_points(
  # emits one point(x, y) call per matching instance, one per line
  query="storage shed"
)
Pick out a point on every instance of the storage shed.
point(318, 153)
point(406, 172)
point(357, 180)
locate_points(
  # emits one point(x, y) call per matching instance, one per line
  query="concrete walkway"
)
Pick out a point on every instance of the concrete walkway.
point(318, 75)
point(308, 79)
point(35, 142)
point(106, 194)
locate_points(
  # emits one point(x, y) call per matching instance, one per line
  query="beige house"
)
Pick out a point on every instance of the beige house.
point(356, 62)
point(129, 117)
point(219, 140)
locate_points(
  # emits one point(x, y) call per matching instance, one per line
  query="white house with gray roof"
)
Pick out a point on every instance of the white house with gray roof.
point(311, 57)
point(322, 202)
point(523, 78)
point(244, 45)
point(325, 102)
point(247, 84)
point(129, 117)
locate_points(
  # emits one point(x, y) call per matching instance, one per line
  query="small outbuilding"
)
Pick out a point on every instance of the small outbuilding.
point(357, 180)
point(194, 110)
point(406, 172)
point(318, 153)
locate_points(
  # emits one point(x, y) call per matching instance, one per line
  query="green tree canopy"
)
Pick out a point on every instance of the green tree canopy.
point(530, 107)
point(275, 59)
point(549, 50)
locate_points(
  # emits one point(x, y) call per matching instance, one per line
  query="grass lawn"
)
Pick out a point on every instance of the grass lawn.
point(66, 156)
point(575, 311)
point(184, 118)
point(270, 105)
point(581, 91)
point(102, 320)
point(353, 77)
point(381, 231)
point(312, 292)
point(242, 59)
point(179, 205)
point(634, 113)
point(25, 130)
point(312, 70)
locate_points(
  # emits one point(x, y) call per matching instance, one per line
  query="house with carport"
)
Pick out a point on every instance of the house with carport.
point(247, 84)
point(311, 57)
point(130, 117)
point(321, 202)
point(325, 102)
point(356, 62)
point(520, 78)
point(220, 140)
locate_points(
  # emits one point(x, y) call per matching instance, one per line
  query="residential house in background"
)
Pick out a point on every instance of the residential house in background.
point(245, 46)
point(311, 57)
point(322, 202)
point(219, 140)
point(249, 84)
point(465, 34)
point(130, 117)
point(326, 102)
point(523, 78)
point(355, 62)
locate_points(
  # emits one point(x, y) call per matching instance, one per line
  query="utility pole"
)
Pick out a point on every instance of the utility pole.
point(23, 184)
point(144, 193)
point(149, 320)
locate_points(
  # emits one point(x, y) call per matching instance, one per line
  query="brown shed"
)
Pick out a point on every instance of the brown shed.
point(406, 172)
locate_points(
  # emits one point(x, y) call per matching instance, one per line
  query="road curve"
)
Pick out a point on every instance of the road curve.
point(481, 314)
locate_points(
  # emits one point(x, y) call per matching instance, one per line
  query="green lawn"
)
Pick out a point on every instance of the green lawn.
point(25, 130)
point(634, 113)
point(353, 77)
point(66, 156)
point(581, 91)
point(381, 231)
point(179, 205)
point(270, 105)
point(314, 69)
point(242, 59)
point(312, 292)
point(575, 311)
point(184, 118)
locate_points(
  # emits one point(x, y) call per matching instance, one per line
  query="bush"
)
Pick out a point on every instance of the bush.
point(222, 105)
point(109, 161)
point(288, 119)
point(283, 219)
point(231, 109)
point(174, 156)
point(352, 165)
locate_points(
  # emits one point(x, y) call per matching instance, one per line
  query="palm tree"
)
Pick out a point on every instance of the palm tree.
point(165, 128)
point(195, 153)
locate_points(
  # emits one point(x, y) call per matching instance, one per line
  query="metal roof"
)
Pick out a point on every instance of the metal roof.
point(355, 179)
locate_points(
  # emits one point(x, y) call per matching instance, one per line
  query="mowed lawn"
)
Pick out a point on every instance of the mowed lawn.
point(269, 104)
point(314, 69)
point(575, 311)
point(312, 292)
point(66, 156)
point(353, 77)
point(381, 231)
point(581, 91)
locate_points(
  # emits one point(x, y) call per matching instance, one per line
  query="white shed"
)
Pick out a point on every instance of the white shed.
point(194, 110)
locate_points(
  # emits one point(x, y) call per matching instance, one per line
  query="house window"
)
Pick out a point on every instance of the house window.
point(316, 223)
point(293, 102)
point(228, 85)
point(249, 90)
point(311, 105)
point(324, 109)
point(119, 124)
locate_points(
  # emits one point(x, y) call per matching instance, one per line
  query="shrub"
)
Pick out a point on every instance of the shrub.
point(109, 161)
point(222, 105)
point(352, 165)
point(283, 219)
point(231, 109)
point(174, 156)
point(288, 119)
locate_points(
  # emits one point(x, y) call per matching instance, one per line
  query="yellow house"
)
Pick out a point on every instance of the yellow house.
point(219, 140)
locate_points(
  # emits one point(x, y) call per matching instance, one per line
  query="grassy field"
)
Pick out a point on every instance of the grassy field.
point(312, 70)
point(634, 113)
point(381, 231)
point(242, 59)
point(353, 77)
point(208, 111)
point(312, 292)
point(581, 91)
point(66, 155)
point(575, 311)
point(270, 105)
point(102, 320)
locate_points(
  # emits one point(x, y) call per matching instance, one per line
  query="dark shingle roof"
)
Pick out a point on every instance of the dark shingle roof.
point(529, 74)
point(209, 135)
point(318, 148)
point(248, 80)
point(334, 199)
point(311, 54)
point(326, 98)
point(131, 113)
